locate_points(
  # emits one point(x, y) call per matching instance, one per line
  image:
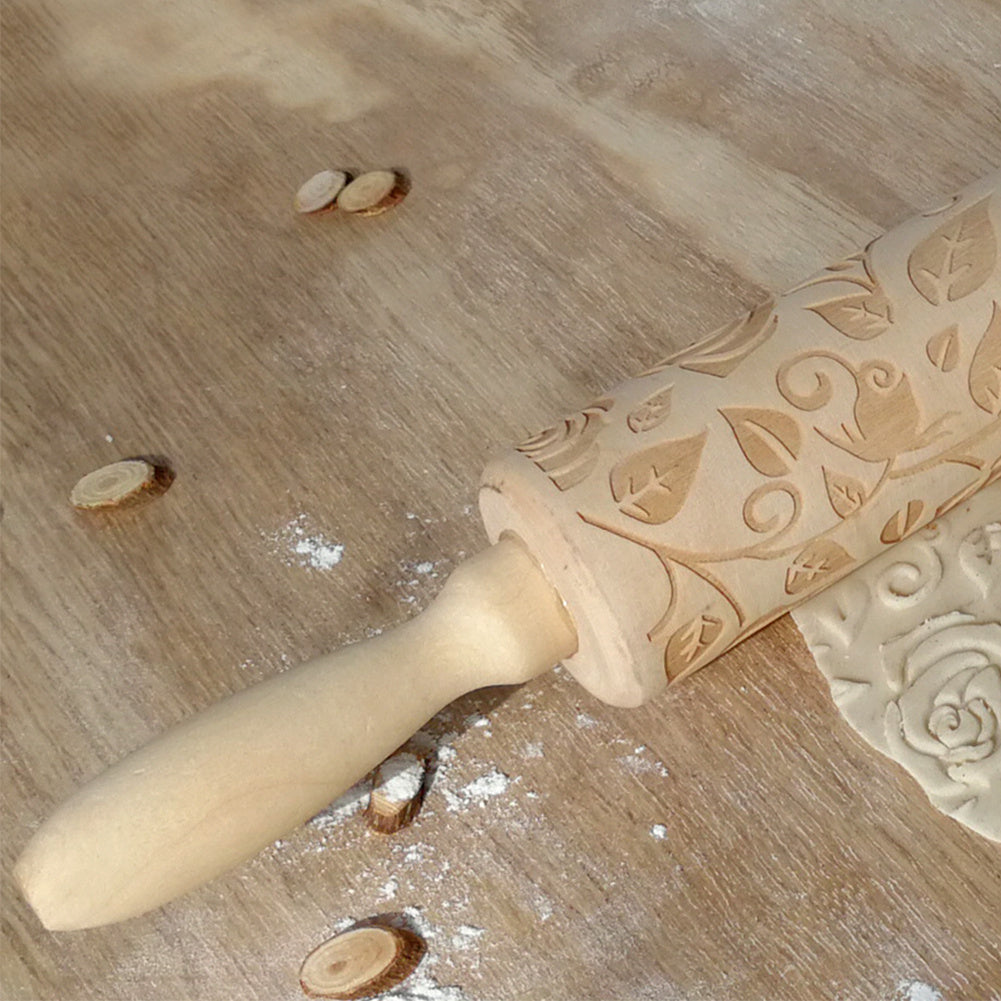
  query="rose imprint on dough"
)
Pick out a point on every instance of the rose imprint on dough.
point(910, 644)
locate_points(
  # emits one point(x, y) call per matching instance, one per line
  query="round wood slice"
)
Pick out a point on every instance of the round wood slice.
point(372, 193)
point(320, 191)
point(362, 962)
point(119, 483)
point(397, 793)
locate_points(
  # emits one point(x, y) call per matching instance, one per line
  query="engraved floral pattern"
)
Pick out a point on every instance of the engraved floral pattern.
point(652, 485)
point(892, 428)
point(950, 707)
point(756, 472)
point(860, 315)
point(957, 258)
point(911, 646)
point(720, 354)
point(985, 370)
point(651, 413)
point(569, 451)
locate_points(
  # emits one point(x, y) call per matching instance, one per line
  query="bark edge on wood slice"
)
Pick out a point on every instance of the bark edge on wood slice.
point(397, 793)
point(120, 483)
point(374, 192)
point(364, 961)
point(320, 192)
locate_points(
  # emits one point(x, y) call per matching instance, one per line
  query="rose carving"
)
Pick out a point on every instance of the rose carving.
point(911, 646)
point(950, 708)
point(967, 731)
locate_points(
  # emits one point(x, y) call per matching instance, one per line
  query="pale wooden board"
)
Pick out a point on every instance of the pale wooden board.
point(594, 184)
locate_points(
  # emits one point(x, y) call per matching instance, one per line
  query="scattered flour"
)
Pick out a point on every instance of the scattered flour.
point(477, 792)
point(319, 553)
point(415, 853)
point(489, 785)
point(345, 806)
point(401, 777)
point(465, 936)
point(420, 923)
point(417, 574)
point(421, 984)
point(533, 751)
point(314, 551)
point(543, 907)
point(390, 888)
point(917, 990)
point(586, 722)
point(658, 832)
point(644, 766)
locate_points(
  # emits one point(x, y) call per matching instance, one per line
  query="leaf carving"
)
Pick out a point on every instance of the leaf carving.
point(939, 209)
point(688, 643)
point(820, 559)
point(902, 523)
point(957, 258)
point(982, 480)
point(652, 485)
point(943, 348)
point(722, 352)
point(845, 493)
point(856, 268)
point(985, 370)
point(770, 439)
point(651, 412)
point(848, 264)
point(568, 452)
point(859, 315)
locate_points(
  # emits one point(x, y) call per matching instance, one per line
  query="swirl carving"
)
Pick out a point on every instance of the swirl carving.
point(822, 427)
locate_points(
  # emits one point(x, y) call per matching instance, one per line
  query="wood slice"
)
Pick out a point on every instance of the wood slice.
point(362, 962)
point(397, 793)
point(320, 192)
point(373, 193)
point(119, 483)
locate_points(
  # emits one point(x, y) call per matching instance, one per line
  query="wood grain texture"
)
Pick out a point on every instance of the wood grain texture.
point(593, 187)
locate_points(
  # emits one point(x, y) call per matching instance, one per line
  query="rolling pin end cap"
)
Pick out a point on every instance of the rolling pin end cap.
point(60, 901)
point(613, 659)
point(41, 891)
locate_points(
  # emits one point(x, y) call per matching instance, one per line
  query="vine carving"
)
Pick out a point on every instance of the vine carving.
point(889, 418)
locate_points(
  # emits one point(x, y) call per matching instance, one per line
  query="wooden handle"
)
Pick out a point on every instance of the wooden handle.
point(692, 505)
point(225, 783)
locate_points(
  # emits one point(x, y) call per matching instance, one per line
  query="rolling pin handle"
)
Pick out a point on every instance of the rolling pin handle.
point(223, 784)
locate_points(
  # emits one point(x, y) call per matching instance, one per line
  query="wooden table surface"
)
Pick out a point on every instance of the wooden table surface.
point(593, 185)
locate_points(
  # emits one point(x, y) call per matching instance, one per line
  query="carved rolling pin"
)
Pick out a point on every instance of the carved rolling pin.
point(637, 540)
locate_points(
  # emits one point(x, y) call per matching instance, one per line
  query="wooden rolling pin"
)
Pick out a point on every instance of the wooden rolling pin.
point(636, 541)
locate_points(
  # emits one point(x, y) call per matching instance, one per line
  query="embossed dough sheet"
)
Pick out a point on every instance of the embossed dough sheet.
point(911, 646)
